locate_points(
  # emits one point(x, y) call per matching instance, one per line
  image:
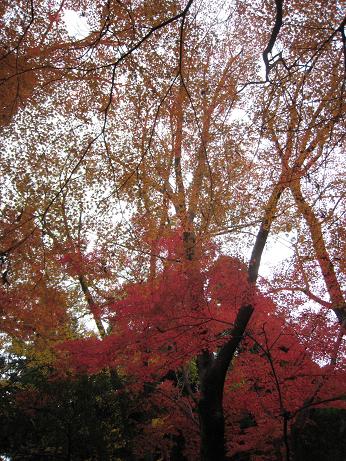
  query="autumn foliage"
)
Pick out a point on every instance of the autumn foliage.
point(172, 228)
point(161, 326)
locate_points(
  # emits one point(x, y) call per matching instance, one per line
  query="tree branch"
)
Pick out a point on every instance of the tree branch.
point(273, 37)
point(326, 265)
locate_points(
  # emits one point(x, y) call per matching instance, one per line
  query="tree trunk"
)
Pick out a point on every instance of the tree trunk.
point(212, 427)
point(212, 368)
point(210, 410)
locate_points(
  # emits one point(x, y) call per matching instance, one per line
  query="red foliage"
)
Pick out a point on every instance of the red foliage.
point(162, 325)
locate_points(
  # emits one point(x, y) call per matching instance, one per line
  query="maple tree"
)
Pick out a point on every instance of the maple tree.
point(146, 166)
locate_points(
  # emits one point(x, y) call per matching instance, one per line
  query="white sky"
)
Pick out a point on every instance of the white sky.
point(276, 251)
point(76, 25)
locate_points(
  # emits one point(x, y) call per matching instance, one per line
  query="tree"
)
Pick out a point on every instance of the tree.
point(157, 144)
point(47, 417)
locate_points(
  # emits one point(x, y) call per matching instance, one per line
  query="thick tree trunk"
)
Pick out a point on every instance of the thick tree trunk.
point(213, 368)
point(212, 374)
point(212, 427)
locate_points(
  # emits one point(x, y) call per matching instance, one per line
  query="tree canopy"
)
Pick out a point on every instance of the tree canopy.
point(148, 161)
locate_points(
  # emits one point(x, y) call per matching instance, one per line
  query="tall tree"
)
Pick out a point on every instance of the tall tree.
point(170, 129)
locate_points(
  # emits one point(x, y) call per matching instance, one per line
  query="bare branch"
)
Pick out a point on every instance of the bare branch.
point(273, 37)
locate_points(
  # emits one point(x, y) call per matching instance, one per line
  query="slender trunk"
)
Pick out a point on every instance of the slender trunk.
point(92, 306)
point(326, 265)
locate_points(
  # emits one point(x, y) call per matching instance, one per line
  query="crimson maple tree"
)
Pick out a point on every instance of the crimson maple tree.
point(162, 325)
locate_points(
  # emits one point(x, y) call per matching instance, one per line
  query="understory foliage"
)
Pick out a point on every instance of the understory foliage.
point(46, 417)
point(172, 229)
